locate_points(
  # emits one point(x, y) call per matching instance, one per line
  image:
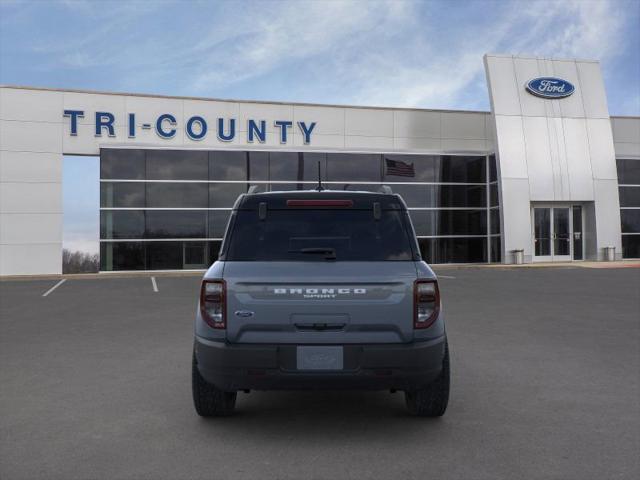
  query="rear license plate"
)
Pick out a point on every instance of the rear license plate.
point(319, 358)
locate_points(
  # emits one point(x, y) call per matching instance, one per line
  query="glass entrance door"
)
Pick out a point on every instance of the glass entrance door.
point(561, 234)
point(557, 233)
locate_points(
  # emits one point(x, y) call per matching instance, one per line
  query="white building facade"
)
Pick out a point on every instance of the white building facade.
point(546, 175)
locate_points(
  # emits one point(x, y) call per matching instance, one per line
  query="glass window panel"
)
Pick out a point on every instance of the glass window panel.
point(629, 196)
point(443, 196)
point(285, 166)
point(121, 224)
point(630, 246)
point(176, 224)
point(310, 172)
point(124, 164)
point(177, 195)
point(628, 171)
point(493, 169)
point(224, 195)
point(225, 165)
point(410, 168)
point(494, 197)
point(353, 187)
point(285, 187)
point(453, 250)
point(218, 222)
point(214, 250)
point(496, 251)
point(494, 216)
point(122, 195)
point(413, 195)
point(164, 255)
point(449, 222)
point(122, 256)
point(177, 165)
point(354, 167)
point(461, 169)
point(630, 221)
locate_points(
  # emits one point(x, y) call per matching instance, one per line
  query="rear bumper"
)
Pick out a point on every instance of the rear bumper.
point(233, 367)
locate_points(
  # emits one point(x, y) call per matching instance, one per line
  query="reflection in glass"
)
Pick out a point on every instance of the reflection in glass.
point(119, 195)
point(224, 195)
point(218, 220)
point(449, 222)
point(124, 164)
point(453, 250)
point(354, 167)
point(176, 224)
point(121, 224)
point(177, 165)
point(177, 195)
point(629, 196)
point(122, 256)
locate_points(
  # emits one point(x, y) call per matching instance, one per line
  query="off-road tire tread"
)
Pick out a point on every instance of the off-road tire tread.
point(208, 400)
point(432, 400)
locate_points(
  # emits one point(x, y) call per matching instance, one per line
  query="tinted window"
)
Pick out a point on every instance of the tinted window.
point(449, 222)
point(353, 234)
point(357, 167)
point(454, 250)
point(177, 165)
point(410, 168)
point(235, 165)
point(494, 198)
point(224, 195)
point(631, 246)
point(176, 224)
point(628, 171)
point(461, 169)
point(218, 222)
point(177, 195)
point(630, 221)
point(122, 164)
point(496, 252)
point(119, 195)
point(164, 255)
point(630, 196)
point(494, 215)
point(122, 256)
point(285, 166)
point(493, 168)
point(121, 224)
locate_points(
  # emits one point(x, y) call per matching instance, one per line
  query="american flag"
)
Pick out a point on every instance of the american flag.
point(399, 168)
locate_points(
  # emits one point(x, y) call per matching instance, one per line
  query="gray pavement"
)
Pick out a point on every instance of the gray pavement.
point(95, 384)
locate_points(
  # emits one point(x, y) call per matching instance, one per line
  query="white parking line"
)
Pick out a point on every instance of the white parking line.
point(154, 284)
point(446, 276)
point(54, 287)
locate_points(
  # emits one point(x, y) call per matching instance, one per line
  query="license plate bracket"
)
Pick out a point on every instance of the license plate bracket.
point(320, 358)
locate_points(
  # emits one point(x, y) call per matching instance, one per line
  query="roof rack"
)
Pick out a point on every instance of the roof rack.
point(253, 189)
point(385, 189)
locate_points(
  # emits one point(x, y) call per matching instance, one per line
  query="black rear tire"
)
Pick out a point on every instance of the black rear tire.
point(432, 400)
point(208, 400)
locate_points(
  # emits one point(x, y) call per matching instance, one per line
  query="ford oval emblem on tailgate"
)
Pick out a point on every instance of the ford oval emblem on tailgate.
point(244, 313)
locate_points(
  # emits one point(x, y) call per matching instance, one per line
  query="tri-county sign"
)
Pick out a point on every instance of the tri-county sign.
point(196, 127)
point(550, 87)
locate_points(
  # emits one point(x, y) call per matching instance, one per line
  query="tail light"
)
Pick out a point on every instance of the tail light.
point(426, 303)
point(213, 303)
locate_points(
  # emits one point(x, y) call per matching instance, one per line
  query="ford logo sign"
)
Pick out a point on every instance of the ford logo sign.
point(244, 313)
point(550, 87)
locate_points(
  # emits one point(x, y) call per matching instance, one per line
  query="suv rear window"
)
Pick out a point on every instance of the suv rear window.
point(319, 235)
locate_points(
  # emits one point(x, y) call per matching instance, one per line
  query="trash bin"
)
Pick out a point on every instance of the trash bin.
point(609, 254)
point(518, 257)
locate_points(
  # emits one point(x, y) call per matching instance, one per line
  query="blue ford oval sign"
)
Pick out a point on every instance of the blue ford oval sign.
point(550, 87)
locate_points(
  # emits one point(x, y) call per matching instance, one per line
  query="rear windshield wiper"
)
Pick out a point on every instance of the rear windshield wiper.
point(329, 253)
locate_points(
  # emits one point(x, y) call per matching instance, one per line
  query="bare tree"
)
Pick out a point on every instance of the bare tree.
point(79, 262)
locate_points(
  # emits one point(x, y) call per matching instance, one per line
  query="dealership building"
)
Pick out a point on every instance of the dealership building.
point(546, 175)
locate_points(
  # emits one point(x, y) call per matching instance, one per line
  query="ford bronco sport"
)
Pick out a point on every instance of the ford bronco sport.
point(320, 290)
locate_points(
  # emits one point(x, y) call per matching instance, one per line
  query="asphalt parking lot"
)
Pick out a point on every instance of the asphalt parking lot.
point(95, 384)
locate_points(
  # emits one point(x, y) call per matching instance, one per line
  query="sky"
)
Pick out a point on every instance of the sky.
point(385, 53)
